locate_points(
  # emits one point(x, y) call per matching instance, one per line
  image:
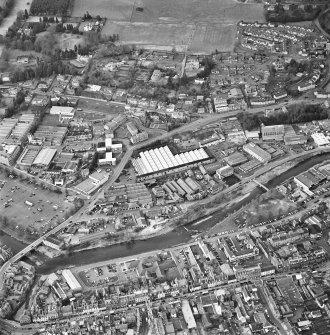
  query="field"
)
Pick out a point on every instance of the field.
point(22, 214)
point(187, 25)
point(111, 9)
point(68, 41)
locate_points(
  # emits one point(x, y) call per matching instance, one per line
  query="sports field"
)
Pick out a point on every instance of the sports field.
point(193, 25)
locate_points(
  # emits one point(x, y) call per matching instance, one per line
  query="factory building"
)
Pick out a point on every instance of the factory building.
point(160, 161)
point(256, 152)
point(225, 171)
point(272, 133)
point(9, 153)
point(71, 280)
point(44, 157)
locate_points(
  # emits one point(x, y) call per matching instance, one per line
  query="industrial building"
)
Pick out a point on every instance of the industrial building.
point(225, 171)
point(9, 153)
point(48, 135)
point(160, 161)
point(272, 133)
point(44, 157)
point(320, 139)
point(15, 131)
point(130, 193)
point(309, 180)
point(295, 139)
point(71, 280)
point(28, 156)
point(92, 183)
point(256, 152)
point(236, 158)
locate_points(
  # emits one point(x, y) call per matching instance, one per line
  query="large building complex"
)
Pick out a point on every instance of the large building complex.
point(161, 161)
point(272, 133)
point(256, 152)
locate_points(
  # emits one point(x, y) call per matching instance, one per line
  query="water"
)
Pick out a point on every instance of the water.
point(172, 238)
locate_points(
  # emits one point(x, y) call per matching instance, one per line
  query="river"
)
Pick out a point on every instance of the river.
point(178, 236)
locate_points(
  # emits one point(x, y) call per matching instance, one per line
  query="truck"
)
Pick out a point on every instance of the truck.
point(29, 203)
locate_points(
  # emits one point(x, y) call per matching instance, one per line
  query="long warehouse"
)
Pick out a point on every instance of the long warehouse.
point(160, 161)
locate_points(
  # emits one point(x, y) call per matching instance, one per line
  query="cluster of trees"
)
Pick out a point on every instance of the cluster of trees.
point(297, 114)
point(324, 21)
point(18, 104)
point(208, 64)
point(294, 14)
point(50, 7)
point(5, 10)
point(43, 69)
point(62, 28)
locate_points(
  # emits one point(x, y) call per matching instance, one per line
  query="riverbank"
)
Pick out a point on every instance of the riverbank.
point(176, 235)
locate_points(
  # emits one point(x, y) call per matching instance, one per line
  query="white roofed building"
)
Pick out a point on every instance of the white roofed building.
point(71, 280)
point(44, 157)
point(160, 161)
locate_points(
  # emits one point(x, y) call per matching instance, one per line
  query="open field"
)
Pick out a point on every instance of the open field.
point(25, 215)
point(224, 11)
point(68, 41)
point(111, 9)
point(152, 34)
point(100, 107)
point(201, 26)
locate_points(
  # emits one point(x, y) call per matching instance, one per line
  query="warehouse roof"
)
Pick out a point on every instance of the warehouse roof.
point(45, 156)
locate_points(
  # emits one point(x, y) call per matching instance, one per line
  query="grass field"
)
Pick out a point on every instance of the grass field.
point(68, 41)
point(198, 28)
point(111, 9)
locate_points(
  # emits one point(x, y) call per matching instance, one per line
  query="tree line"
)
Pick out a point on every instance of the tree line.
point(5, 10)
point(50, 7)
point(296, 114)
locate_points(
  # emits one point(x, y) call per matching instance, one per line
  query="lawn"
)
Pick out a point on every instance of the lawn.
point(68, 41)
